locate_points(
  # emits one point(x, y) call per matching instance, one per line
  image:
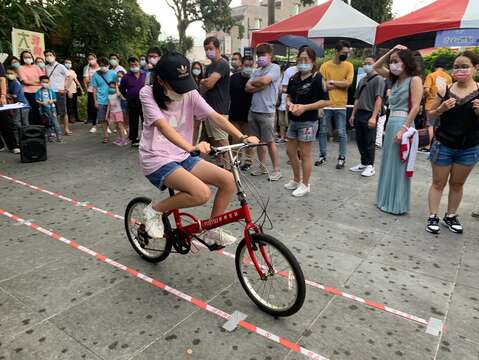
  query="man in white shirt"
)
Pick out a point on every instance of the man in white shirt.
point(57, 74)
point(282, 112)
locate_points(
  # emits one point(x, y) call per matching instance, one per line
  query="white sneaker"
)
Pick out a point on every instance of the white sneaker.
point(275, 175)
point(291, 185)
point(302, 190)
point(108, 131)
point(218, 237)
point(153, 223)
point(16, 151)
point(93, 129)
point(358, 168)
point(369, 171)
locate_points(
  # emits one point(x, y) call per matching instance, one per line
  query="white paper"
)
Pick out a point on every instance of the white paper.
point(13, 106)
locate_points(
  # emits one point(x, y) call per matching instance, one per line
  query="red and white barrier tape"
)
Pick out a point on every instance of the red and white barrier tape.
point(197, 302)
point(316, 285)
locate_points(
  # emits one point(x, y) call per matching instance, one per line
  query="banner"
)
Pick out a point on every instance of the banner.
point(457, 38)
point(27, 40)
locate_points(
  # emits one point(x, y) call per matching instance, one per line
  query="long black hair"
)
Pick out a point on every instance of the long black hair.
point(200, 76)
point(411, 66)
point(159, 93)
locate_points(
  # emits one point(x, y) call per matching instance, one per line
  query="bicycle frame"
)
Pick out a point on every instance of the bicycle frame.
point(242, 213)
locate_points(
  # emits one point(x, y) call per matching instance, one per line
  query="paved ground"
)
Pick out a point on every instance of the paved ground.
point(57, 303)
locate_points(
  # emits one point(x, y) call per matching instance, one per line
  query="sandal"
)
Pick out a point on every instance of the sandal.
point(68, 133)
point(106, 140)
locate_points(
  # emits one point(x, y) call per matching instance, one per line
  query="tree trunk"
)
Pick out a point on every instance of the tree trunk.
point(182, 36)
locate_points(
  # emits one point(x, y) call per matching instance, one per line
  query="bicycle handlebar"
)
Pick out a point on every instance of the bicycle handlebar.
point(219, 150)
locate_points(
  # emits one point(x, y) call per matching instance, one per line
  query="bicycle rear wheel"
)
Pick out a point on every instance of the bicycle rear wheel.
point(282, 291)
point(151, 249)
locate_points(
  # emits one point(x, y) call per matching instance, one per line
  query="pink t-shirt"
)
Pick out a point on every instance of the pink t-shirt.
point(155, 149)
point(30, 73)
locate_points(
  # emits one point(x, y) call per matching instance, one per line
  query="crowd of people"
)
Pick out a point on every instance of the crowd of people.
point(257, 100)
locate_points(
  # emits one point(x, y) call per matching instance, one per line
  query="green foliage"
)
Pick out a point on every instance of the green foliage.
point(378, 10)
point(215, 15)
point(73, 28)
point(446, 54)
point(34, 15)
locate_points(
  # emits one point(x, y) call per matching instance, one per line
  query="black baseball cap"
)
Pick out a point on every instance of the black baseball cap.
point(174, 68)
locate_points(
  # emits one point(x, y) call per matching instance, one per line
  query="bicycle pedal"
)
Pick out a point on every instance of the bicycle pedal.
point(215, 247)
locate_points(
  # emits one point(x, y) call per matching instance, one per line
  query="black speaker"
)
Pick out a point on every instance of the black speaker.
point(33, 143)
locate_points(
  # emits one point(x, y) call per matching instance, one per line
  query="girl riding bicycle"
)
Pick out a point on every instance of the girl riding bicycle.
point(169, 108)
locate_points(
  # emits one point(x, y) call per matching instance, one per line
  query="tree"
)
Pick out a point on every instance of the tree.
point(34, 15)
point(215, 15)
point(378, 10)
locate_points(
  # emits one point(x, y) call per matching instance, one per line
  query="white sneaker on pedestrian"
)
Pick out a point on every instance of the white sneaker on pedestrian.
point(369, 171)
point(258, 171)
point(291, 185)
point(16, 151)
point(302, 190)
point(108, 131)
point(358, 168)
point(275, 175)
point(93, 129)
point(218, 237)
point(153, 223)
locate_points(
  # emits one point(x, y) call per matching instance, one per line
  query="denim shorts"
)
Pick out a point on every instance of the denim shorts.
point(304, 131)
point(442, 155)
point(101, 113)
point(158, 177)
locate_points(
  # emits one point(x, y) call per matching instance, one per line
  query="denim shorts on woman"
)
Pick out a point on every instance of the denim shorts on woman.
point(442, 155)
point(158, 177)
point(304, 131)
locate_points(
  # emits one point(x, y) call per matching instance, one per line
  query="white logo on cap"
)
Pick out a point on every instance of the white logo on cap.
point(182, 71)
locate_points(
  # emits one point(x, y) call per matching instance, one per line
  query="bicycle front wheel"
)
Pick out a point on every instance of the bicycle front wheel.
point(151, 249)
point(282, 290)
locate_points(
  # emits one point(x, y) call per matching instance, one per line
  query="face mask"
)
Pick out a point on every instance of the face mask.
point(343, 57)
point(113, 62)
point(304, 68)
point(50, 59)
point(45, 85)
point(367, 68)
point(174, 95)
point(235, 65)
point(247, 71)
point(263, 61)
point(11, 76)
point(196, 72)
point(92, 62)
point(211, 54)
point(135, 69)
point(395, 68)
point(103, 68)
point(68, 66)
point(462, 75)
point(153, 61)
point(111, 91)
point(15, 65)
point(41, 65)
point(28, 61)
point(142, 62)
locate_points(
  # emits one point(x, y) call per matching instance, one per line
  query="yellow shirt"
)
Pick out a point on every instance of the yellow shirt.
point(338, 72)
point(434, 81)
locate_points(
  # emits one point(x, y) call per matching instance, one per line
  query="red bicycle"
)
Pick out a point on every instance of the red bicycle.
point(266, 268)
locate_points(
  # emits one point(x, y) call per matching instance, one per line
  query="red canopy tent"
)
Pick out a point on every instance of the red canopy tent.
point(418, 29)
point(331, 20)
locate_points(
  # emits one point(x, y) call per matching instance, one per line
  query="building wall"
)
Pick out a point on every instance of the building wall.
point(253, 15)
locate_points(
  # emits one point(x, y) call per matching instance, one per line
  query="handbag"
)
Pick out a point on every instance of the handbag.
point(420, 121)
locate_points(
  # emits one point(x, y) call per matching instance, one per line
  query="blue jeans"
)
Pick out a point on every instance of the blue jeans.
point(325, 124)
point(53, 123)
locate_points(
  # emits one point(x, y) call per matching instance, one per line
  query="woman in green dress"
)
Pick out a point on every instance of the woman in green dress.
point(394, 190)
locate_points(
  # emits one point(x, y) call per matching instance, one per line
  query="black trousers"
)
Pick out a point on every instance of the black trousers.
point(135, 112)
point(34, 114)
point(7, 131)
point(365, 137)
point(91, 109)
point(72, 107)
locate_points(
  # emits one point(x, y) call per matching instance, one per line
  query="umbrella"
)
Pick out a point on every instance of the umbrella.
point(420, 29)
point(295, 42)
